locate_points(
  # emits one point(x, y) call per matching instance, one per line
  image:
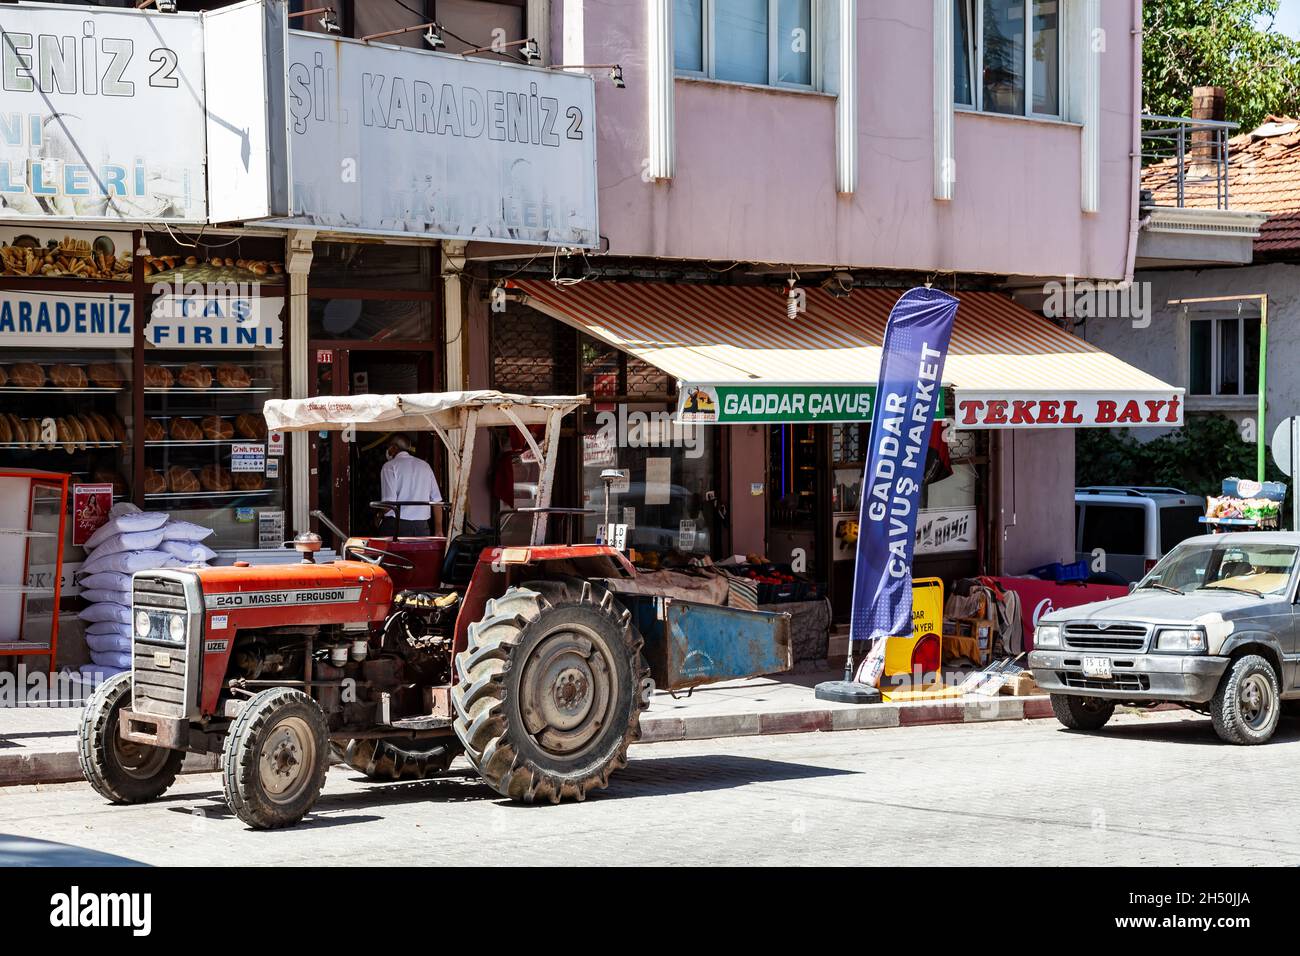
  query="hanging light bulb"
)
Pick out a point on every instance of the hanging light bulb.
point(143, 248)
point(792, 299)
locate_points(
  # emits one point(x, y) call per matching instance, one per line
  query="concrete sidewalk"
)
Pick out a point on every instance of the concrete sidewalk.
point(39, 745)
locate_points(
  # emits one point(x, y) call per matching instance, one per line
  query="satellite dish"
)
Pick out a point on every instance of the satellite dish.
point(341, 315)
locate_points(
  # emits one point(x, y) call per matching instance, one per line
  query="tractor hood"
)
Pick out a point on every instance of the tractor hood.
point(340, 591)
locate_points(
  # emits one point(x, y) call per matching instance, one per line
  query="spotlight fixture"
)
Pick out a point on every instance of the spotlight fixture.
point(329, 22)
point(433, 37)
point(163, 6)
point(615, 70)
point(530, 50)
point(839, 284)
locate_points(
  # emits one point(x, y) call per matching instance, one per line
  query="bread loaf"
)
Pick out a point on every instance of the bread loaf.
point(183, 429)
point(6, 431)
point(214, 478)
point(91, 430)
point(118, 426)
point(68, 376)
point(154, 430)
point(232, 376)
point(27, 375)
point(4, 377)
point(154, 483)
point(216, 428)
point(105, 375)
point(194, 376)
point(251, 426)
point(107, 476)
point(104, 427)
point(181, 480)
point(156, 376)
point(248, 481)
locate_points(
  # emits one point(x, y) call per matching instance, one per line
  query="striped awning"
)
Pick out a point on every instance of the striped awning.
point(1007, 366)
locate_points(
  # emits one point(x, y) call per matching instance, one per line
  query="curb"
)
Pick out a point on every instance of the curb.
point(866, 717)
point(61, 766)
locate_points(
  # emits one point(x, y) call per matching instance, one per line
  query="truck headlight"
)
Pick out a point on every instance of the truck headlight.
point(142, 624)
point(1190, 640)
point(176, 628)
point(1047, 635)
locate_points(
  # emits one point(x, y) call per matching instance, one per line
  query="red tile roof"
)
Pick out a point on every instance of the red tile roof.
point(1263, 175)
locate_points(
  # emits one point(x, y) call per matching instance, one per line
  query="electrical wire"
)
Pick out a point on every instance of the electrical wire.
point(469, 43)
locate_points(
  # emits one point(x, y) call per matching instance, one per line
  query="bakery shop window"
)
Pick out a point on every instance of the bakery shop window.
point(66, 335)
point(213, 354)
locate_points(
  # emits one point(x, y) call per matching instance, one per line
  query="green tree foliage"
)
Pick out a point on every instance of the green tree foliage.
point(1195, 458)
point(1227, 43)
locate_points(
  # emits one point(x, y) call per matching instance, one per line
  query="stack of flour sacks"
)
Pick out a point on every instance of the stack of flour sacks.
point(131, 540)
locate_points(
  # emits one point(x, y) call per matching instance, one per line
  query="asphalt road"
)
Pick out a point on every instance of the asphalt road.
point(1150, 789)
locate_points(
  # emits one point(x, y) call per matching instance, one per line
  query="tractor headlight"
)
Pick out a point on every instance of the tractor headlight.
point(1189, 640)
point(176, 628)
point(142, 624)
point(1047, 635)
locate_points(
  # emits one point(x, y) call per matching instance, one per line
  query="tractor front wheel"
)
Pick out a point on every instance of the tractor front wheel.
point(549, 693)
point(117, 769)
point(275, 757)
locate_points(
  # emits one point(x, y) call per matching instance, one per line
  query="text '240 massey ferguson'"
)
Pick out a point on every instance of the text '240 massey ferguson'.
point(534, 661)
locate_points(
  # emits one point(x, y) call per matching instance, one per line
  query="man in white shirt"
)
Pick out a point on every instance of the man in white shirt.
point(407, 478)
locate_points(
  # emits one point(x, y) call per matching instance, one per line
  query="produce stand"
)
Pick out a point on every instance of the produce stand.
point(33, 522)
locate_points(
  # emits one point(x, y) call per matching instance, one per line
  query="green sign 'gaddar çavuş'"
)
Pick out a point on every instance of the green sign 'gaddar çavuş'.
point(776, 404)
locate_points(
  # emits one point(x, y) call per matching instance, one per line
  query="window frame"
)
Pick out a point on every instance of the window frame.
point(975, 61)
point(707, 58)
point(1216, 348)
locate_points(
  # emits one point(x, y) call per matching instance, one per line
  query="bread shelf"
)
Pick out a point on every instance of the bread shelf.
point(181, 495)
point(62, 446)
point(199, 443)
point(23, 533)
point(210, 390)
point(64, 390)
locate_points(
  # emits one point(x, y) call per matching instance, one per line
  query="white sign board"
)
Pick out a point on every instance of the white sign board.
point(248, 457)
point(101, 115)
point(216, 318)
point(942, 531)
point(1069, 409)
point(66, 320)
point(390, 140)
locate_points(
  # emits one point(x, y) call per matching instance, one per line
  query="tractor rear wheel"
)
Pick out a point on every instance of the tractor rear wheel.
point(550, 691)
point(117, 769)
point(275, 758)
point(400, 758)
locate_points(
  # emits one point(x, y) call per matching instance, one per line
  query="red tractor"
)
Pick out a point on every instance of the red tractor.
point(534, 661)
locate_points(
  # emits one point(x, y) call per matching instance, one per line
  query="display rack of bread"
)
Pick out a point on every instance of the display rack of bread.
point(185, 429)
point(71, 432)
point(224, 264)
point(31, 375)
point(73, 258)
point(197, 377)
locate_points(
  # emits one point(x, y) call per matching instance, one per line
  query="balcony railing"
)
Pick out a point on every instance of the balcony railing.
point(1185, 162)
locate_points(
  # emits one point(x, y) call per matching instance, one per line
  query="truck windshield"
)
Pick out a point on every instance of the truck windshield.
point(1263, 568)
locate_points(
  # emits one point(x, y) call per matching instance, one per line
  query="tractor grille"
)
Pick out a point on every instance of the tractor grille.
point(1112, 637)
point(160, 667)
point(1118, 682)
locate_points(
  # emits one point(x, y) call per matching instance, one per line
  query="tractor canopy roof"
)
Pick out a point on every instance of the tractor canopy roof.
point(437, 411)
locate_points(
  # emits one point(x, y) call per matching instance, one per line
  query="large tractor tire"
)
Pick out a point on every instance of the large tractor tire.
point(117, 769)
point(400, 758)
point(550, 691)
point(275, 758)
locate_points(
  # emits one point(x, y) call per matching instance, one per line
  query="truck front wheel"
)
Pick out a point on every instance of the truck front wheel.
point(1247, 705)
point(1082, 713)
point(275, 757)
point(117, 769)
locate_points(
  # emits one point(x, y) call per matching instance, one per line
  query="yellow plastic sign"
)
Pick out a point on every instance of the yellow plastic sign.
point(927, 618)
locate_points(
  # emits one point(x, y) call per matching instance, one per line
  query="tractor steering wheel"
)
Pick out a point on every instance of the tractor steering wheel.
point(380, 556)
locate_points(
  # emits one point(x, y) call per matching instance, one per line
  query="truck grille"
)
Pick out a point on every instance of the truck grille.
point(161, 669)
point(1118, 682)
point(1113, 637)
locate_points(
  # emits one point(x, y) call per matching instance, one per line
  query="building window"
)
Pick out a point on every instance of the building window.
point(765, 42)
point(1225, 356)
point(1003, 63)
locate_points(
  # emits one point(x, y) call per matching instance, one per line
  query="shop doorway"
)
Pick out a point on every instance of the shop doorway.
point(345, 474)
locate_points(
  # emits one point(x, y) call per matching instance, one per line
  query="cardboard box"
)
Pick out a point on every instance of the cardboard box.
point(1021, 685)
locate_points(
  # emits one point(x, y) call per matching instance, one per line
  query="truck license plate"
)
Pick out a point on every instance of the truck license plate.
point(1098, 667)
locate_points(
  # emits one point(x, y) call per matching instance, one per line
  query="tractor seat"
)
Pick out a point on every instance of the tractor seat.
point(463, 552)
